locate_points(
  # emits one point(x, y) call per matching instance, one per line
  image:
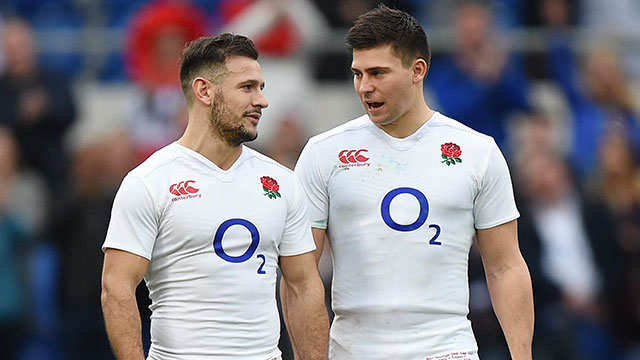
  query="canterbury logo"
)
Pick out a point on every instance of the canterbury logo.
point(352, 156)
point(183, 188)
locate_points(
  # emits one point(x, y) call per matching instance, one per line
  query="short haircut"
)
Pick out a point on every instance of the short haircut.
point(207, 56)
point(386, 26)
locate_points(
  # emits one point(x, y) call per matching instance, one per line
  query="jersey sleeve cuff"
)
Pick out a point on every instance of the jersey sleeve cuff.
point(497, 223)
point(134, 252)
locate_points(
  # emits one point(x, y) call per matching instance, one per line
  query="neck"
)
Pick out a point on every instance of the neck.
point(200, 138)
point(409, 122)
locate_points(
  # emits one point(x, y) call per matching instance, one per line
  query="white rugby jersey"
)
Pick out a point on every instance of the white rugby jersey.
point(213, 238)
point(400, 215)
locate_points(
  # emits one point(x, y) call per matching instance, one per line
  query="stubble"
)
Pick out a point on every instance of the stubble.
point(226, 125)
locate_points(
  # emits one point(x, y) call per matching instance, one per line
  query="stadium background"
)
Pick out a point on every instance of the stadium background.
point(554, 81)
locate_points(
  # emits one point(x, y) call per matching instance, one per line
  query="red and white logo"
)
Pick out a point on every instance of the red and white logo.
point(184, 190)
point(350, 158)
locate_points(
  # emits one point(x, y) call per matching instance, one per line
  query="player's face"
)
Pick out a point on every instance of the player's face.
point(238, 101)
point(382, 84)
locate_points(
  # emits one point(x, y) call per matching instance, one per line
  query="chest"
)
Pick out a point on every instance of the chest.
point(233, 220)
point(411, 181)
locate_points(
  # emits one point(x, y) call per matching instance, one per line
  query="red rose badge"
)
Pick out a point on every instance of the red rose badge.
point(450, 153)
point(270, 187)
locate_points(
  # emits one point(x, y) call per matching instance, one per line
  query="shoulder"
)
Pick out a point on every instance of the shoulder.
point(450, 135)
point(264, 166)
point(262, 161)
point(162, 159)
point(340, 132)
point(323, 148)
point(268, 171)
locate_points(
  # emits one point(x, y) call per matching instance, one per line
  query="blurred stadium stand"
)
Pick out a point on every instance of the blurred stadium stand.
point(86, 39)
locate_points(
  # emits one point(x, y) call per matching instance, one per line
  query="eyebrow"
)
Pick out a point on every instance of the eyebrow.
point(252, 82)
point(375, 68)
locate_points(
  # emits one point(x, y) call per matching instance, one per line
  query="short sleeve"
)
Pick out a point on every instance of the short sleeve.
point(495, 204)
point(134, 222)
point(315, 186)
point(296, 237)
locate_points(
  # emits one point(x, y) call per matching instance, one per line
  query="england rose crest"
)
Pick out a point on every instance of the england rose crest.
point(270, 187)
point(451, 153)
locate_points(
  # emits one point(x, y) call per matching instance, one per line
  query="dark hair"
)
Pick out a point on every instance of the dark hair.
point(386, 26)
point(209, 54)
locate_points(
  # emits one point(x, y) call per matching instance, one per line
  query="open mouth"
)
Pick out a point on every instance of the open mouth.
point(374, 105)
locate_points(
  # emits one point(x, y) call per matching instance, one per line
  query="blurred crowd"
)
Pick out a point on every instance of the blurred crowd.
point(555, 82)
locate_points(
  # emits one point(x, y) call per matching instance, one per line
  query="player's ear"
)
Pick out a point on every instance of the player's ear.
point(419, 70)
point(202, 90)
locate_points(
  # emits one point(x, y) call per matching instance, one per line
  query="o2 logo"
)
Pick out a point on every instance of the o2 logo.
point(422, 215)
point(255, 240)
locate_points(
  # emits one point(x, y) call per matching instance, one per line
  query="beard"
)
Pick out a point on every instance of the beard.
point(228, 126)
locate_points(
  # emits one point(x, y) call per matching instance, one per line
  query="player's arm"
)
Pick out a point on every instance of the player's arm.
point(306, 316)
point(121, 274)
point(509, 285)
point(319, 238)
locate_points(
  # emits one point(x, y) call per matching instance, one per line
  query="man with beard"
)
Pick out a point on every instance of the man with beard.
point(207, 221)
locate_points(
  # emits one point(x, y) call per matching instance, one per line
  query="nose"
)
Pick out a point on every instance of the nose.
point(364, 85)
point(260, 100)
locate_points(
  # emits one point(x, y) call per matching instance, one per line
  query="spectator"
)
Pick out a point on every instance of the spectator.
point(27, 318)
point(532, 134)
point(480, 84)
point(35, 104)
point(573, 268)
point(157, 34)
point(78, 228)
point(617, 183)
point(286, 147)
point(436, 13)
point(552, 12)
point(13, 238)
point(281, 27)
point(616, 20)
point(603, 97)
point(604, 100)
